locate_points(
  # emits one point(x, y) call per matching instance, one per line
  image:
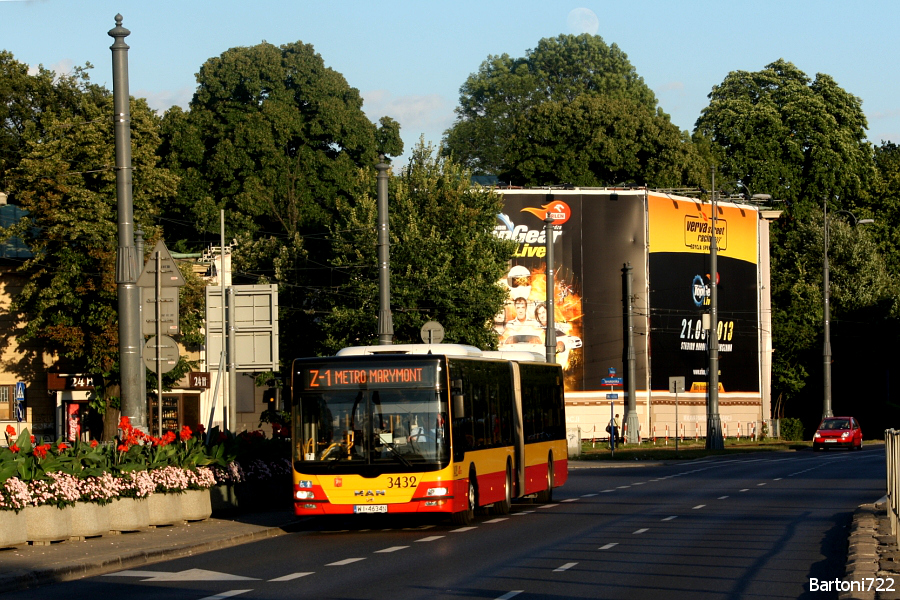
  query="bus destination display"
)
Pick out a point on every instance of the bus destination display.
point(333, 377)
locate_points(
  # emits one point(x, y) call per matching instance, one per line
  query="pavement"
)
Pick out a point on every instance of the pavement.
point(872, 550)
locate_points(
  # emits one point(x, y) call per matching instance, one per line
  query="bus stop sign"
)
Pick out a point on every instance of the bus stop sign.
point(19, 399)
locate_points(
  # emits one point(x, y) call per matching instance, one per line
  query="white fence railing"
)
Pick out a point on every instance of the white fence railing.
point(892, 455)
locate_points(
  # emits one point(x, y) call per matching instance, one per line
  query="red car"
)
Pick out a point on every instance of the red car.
point(838, 431)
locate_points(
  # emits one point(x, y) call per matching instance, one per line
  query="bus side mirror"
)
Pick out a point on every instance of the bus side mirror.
point(459, 406)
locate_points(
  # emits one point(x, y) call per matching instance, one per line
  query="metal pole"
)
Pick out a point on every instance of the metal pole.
point(159, 386)
point(550, 333)
point(385, 321)
point(713, 423)
point(139, 254)
point(826, 319)
point(127, 267)
point(232, 374)
point(632, 421)
point(226, 419)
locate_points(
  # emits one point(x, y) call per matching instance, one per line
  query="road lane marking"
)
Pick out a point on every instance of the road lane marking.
point(745, 490)
point(588, 495)
point(187, 575)
point(509, 595)
point(228, 594)
point(462, 529)
point(639, 483)
point(497, 520)
point(548, 505)
point(608, 546)
point(565, 567)
point(622, 487)
point(391, 549)
point(670, 518)
point(607, 491)
point(346, 561)
point(430, 538)
point(777, 479)
point(640, 531)
point(292, 576)
point(569, 500)
point(759, 484)
point(524, 512)
point(698, 506)
point(722, 497)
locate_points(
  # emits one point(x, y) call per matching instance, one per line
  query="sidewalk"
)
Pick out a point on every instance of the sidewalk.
point(872, 552)
point(31, 566)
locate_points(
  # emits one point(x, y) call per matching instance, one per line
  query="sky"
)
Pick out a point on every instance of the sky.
point(408, 58)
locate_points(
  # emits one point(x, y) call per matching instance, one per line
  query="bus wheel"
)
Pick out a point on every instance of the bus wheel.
point(466, 517)
point(546, 496)
point(504, 506)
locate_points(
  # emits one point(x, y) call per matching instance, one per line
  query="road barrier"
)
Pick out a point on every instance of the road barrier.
point(892, 454)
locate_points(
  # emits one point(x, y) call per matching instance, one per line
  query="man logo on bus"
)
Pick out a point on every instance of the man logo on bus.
point(558, 210)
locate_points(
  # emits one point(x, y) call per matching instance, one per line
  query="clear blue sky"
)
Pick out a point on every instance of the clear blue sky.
point(408, 58)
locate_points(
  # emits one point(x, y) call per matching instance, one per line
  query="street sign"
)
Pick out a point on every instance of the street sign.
point(612, 396)
point(611, 381)
point(612, 371)
point(676, 385)
point(168, 351)
point(19, 399)
point(168, 311)
point(432, 332)
point(255, 322)
point(170, 276)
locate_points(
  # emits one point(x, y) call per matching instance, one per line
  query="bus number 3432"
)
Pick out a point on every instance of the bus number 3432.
point(402, 481)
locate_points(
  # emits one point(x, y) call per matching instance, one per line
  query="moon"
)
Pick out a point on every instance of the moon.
point(583, 20)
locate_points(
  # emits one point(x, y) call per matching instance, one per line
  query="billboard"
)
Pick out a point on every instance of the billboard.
point(665, 239)
point(594, 235)
point(679, 264)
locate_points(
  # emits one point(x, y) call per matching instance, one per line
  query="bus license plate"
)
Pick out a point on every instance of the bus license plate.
point(370, 508)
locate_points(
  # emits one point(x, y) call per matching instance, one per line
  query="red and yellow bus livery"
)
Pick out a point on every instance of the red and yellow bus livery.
point(414, 429)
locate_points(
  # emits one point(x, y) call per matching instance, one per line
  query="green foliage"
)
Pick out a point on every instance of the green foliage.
point(65, 179)
point(445, 261)
point(791, 429)
point(780, 133)
point(504, 88)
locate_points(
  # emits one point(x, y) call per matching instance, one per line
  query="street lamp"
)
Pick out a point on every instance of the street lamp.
point(826, 309)
point(714, 439)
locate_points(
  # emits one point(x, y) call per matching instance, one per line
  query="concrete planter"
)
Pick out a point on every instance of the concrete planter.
point(165, 509)
point(46, 524)
point(89, 519)
point(12, 528)
point(128, 514)
point(196, 505)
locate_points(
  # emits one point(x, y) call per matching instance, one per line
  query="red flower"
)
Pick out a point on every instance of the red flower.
point(32, 439)
point(200, 429)
point(14, 448)
point(62, 446)
point(125, 423)
point(41, 451)
point(122, 448)
point(94, 443)
point(10, 430)
point(185, 434)
point(168, 438)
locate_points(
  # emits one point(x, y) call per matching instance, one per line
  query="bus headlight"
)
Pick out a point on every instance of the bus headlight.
point(304, 495)
point(436, 491)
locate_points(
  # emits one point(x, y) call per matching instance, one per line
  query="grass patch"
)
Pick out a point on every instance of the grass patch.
point(687, 450)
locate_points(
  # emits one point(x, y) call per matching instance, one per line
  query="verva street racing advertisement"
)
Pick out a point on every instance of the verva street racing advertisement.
point(680, 231)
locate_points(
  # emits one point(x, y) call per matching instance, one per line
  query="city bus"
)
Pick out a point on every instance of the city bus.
point(439, 428)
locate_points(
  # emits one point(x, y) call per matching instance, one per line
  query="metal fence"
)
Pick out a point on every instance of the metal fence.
point(892, 454)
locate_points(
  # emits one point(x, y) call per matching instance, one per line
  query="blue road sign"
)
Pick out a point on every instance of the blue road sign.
point(611, 381)
point(612, 396)
point(19, 399)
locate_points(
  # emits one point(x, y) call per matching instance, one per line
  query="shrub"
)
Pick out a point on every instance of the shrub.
point(791, 429)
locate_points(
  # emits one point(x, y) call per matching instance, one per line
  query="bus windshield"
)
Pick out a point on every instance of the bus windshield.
point(388, 427)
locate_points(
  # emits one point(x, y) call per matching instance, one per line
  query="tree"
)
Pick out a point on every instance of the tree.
point(445, 261)
point(780, 133)
point(539, 119)
point(599, 141)
point(66, 181)
point(275, 138)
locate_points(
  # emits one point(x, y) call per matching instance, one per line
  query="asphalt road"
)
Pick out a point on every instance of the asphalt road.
point(755, 526)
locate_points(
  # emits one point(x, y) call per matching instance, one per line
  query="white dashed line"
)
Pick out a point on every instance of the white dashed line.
point(509, 595)
point(391, 549)
point(565, 567)
point(430, 538)
point(671, 518)
point(346, 561)
point(462, 529)
point(293, 576)
point(607, 491)
point(548, 505)
point(777, 479)
point(745, 490)
point(699, 506)
point(722, 497)
point(608, 546)
point(524, 512)
point(640, 531)
point(588, 495)
point(497, 520)
point(228, 594)
point(622, 487)
point(639, 483)
point(569, 500)
point(759, 484)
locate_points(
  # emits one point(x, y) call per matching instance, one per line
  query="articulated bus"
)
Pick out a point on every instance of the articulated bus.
point(440, 428)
